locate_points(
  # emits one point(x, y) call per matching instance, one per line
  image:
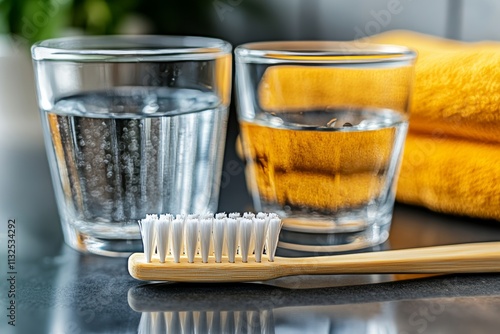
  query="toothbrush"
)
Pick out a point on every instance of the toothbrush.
point(250, 233)
point(191, 235)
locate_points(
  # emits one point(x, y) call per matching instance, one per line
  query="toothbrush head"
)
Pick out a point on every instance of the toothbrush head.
point(207, 237)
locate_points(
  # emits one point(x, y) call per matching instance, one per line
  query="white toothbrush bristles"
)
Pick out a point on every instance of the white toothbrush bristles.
point(231, 238)
point(177, 237)
point(220, 215)
point(260, 228)
point(205, 237)
point(208, 235)
point(262, 215)
point(163, 234)
point(273, 232)
point(148, 231)
point(246, 231)
point(218, 234)
point(191, 238)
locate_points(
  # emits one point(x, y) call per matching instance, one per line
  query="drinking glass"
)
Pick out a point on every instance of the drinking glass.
point(323, 126)
point(133, 125)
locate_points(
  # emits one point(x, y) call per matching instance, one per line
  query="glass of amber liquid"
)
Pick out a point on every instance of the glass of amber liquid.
point(323, 126)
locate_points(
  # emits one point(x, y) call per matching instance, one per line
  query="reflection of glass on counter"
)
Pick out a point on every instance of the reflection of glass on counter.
point(337, 319)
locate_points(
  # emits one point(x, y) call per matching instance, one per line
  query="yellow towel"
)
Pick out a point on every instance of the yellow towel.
point(451, 175)
point(333, 170)
point(339, 170)
point(452, 155)
point(283, 87)
point(457, 85)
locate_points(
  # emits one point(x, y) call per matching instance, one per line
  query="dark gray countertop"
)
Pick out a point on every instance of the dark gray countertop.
point(66, 292)
point(61, 291)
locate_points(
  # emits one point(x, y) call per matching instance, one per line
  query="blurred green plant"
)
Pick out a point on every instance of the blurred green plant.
point(34, 20)
point(4, 10)
point(99, 17)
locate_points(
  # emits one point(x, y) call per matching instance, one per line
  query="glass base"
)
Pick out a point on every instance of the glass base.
point(296, 243)
point(101, 246)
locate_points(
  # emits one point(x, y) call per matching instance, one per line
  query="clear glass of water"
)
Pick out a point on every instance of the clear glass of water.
point(133, 125)
point(323, 126)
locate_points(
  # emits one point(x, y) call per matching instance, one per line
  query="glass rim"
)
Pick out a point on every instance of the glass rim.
point(130, 48)
point(340, 52)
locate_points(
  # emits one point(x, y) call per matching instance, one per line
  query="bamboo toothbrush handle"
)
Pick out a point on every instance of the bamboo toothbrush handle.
point(461, 258)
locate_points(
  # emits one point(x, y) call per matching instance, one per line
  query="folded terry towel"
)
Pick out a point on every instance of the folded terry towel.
point(452, 154)
point(338, 170)
point(451, 175)
point(457, 85)
point(325, 170)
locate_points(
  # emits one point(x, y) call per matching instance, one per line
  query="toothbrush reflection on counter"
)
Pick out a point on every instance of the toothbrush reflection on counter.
point(235, 248)
point(259, 308)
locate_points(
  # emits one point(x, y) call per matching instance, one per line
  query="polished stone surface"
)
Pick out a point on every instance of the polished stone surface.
point(59, 290)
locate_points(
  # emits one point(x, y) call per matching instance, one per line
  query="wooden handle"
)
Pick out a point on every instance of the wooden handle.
point(462, 258)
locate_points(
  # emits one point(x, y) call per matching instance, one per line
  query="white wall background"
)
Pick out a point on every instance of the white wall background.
point(481, 20)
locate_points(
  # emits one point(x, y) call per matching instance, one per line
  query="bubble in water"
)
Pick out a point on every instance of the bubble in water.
point(133, 146)
point(105, 145)
point(110, 180)
point(95, 193)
